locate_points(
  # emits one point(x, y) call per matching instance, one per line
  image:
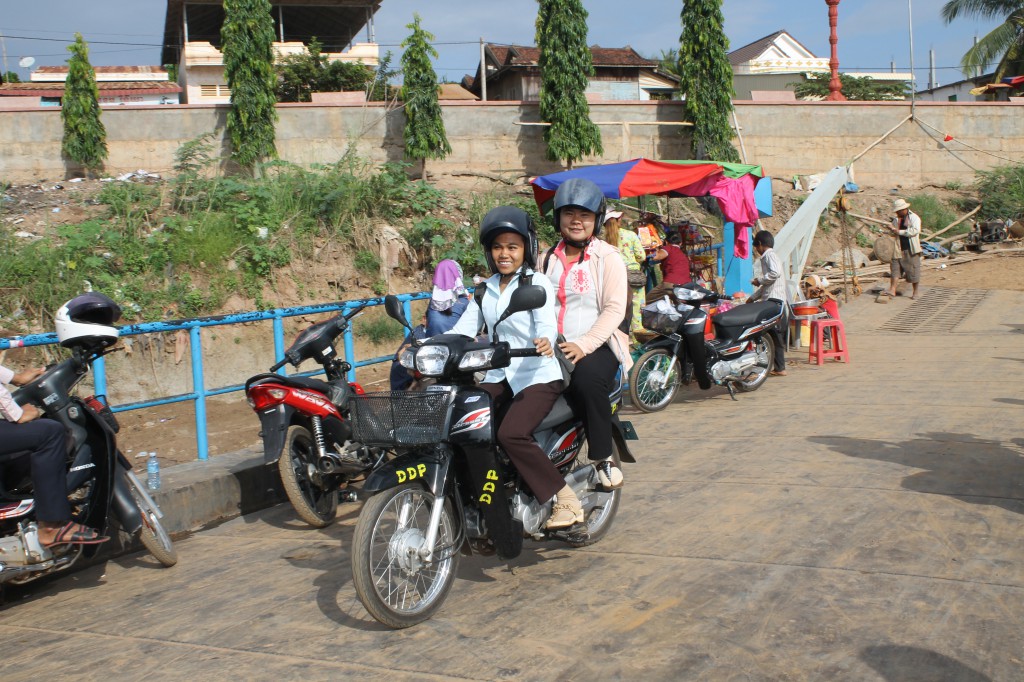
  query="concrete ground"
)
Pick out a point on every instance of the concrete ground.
point(846, 522)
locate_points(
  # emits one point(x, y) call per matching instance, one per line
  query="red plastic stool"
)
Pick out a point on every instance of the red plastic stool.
point(817, 351)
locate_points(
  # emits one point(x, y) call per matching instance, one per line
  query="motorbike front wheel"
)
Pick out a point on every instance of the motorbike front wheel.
point(315, 502)
point(153, 535)
point(654, 380)
point(765, 349)
point(392, 580)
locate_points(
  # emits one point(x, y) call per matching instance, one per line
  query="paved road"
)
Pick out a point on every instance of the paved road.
point(857, 522)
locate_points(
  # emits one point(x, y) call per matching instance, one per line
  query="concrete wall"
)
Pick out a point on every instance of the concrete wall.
point(490, 137)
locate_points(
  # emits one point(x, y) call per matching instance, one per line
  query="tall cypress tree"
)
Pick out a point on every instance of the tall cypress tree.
point(566, 65)
point(706, 79)
point(85, 138)
point(247, 36)
point(424, 132)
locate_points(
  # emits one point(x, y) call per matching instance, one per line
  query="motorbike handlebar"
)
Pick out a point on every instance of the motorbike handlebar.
point(523, 352)
point(278, 365)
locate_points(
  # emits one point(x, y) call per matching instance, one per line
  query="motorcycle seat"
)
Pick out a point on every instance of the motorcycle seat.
point(559, 414)
point(748, 314)
point(297, 382)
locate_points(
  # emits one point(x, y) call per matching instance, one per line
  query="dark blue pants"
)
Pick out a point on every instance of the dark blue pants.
point(46, 440)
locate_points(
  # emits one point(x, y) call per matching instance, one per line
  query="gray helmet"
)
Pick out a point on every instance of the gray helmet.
point(583, 193)
point(509, 219)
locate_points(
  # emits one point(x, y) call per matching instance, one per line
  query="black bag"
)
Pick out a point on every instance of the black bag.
point(637, 279)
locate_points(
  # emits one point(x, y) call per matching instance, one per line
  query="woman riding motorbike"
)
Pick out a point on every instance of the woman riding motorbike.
point(528, 387)
point(592, 300)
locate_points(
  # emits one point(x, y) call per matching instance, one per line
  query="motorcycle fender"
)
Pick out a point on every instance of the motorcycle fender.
point(274, 423)
point(660, 342)
point(425, 467)
point(619, 435)
point(125, 509)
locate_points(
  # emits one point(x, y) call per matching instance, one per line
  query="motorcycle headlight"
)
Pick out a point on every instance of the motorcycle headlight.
point(407, 358)
point(476, 359)
point(684, 294)
point(430, 360)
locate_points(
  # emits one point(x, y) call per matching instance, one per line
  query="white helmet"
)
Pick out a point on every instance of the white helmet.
point(88, 321)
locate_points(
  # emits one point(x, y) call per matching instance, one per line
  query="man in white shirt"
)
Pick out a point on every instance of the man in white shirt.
point(771, 284)
point(906, 260)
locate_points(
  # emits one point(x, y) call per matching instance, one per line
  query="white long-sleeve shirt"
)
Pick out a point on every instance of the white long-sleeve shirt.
point(771, 282)
point(519, 329)
point(10, 410)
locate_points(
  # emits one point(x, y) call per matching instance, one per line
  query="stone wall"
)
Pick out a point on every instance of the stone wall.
point(497, 138)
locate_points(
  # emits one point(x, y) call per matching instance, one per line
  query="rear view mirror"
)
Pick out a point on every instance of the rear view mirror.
point(528, 297)
point(393, 307)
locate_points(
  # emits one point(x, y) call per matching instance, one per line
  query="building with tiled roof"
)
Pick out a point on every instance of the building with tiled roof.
point(621, 74)
point(117, 85)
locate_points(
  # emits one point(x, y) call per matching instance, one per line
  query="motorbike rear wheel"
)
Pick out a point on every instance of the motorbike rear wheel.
point(395, 585)
point(153, 535)
point(652, 386)
point(765, 349)
point(315, 503)
point(599, 519)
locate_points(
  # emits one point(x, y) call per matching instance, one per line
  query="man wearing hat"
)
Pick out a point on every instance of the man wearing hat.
point(906, 261)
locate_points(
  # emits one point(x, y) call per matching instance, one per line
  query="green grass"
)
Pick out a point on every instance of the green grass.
point(934, 213)
point(378, 328)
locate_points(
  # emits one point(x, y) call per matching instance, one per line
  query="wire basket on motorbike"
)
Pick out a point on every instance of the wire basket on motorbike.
point(399, 418)
point(661, 317)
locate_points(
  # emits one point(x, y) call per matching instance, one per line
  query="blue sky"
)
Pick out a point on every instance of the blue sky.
point(872, 33)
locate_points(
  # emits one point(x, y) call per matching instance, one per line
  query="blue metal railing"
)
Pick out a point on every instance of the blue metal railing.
point(194, 326)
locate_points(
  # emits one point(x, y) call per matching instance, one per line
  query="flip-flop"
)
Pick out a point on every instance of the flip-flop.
point(778, 373)
point(76, 534)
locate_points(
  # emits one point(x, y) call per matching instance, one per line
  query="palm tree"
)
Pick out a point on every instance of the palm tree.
point(668, 61)
point(1005, 43)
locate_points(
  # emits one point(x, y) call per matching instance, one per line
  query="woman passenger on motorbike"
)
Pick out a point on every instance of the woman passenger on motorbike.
point(528, 386)
point(591, 303)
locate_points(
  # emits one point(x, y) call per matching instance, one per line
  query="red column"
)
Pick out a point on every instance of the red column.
point(835, 86)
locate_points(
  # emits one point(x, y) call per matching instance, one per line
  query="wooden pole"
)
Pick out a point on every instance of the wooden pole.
point(953, 224)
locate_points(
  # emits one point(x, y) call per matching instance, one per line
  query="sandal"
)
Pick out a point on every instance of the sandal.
point(76, 534)
point(778, 372)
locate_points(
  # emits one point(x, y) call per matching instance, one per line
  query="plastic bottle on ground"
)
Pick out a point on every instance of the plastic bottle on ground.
point(152, 472)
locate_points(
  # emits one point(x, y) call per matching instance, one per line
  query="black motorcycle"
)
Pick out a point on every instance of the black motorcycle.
point(100, 480)
point(739, 356)
point(451, 488)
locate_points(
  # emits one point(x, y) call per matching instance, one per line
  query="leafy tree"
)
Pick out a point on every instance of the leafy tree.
point(9, 77)
point(860, 88)
point(379, 89)
point(1004, 44)
point(566, 64)
point(85, 138)
point(668, 61)
point(247, 37)
point(706, 79)
point(300, 75)
point(424, 127)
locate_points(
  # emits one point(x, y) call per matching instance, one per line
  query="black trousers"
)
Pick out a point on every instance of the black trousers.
point(46, 439)
point(520, 416)
point(592, 380)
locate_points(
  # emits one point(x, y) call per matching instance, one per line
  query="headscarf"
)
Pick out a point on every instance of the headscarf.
point(448, 286)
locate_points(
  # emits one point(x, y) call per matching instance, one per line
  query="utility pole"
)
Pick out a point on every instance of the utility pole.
point(483, 73)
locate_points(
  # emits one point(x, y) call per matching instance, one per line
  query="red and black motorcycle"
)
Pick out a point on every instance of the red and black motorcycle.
point(305, 427)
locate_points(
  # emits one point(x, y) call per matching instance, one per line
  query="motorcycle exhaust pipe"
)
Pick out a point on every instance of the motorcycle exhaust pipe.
point(732, 370)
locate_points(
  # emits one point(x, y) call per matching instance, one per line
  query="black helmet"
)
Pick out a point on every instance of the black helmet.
point(509, 219)
point(585, 194)
point(88, 320)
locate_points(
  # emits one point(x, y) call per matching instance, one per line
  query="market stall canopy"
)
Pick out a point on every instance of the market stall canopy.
point(731, 183)
point(1012, 82)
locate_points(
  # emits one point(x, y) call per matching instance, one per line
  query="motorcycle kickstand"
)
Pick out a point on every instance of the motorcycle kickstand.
point(732, 390)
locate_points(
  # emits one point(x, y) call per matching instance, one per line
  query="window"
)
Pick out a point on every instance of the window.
point(951, 98)
point(214, 91)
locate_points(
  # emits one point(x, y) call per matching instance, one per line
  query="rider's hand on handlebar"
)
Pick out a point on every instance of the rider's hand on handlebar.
point(544, 347)
point(29, 413)
point(22, 378)
point(572, 351)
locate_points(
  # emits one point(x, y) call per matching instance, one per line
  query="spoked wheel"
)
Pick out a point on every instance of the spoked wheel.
point(392, 579)
point(153, 535)
point(605, 504)
point(312, 496)
point(765, 349)
point(654, 380)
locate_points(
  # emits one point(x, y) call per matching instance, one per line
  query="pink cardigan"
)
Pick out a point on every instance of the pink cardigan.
point(609, 273)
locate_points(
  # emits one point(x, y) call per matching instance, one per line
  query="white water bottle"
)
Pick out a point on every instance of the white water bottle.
point(152, 472)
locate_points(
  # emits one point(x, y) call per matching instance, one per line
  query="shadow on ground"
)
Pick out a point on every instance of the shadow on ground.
point(913, 664)
point(960, 465)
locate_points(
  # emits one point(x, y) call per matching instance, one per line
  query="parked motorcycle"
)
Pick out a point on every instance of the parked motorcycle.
point(451, 488)
point(739, 356)
point(305, 427)
point(100, 480)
